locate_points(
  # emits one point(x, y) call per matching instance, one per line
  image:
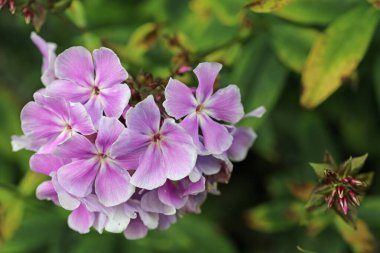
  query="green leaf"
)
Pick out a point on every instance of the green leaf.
point(319, 168)
point(292, 44)
point(275, 216)
point(376, 73)
point(77, 14)
point(319, 12)
point(355, 164)
point(336, 54)
point(261, 78)
point(266, 5)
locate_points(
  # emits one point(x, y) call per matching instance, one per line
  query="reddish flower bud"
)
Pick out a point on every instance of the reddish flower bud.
point(2, 3)
point(12, 6)
point(343, 205)
point(354, 199)
point(330, 199)
point(28, 14)
point(356, 182)
point(340, 190)
point(183, 69)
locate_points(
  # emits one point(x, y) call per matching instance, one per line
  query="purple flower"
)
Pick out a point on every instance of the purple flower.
point(242, 142)
point(157, 153)
point(50, 121)
point(96, 83)
point(94, 164)
point(47, 50)
point(205, 109)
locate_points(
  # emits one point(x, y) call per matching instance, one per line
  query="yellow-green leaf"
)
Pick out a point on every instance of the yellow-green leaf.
point(360, 239)
point(76, 13)
point(336, 54)
point(267, 5)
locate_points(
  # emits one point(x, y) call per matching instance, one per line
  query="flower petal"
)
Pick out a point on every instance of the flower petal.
point(256, 113)
point(225, 104)
point(179, 99)
point(151, 172)
point(78, 177)
point(46, 191)
point(171, 195)
point(69, 90)
point(111, 175)
point(206, 73)
point(243, 140)
point(129, 147)
point(46, 163)
point(136, 230)
point(216, 137)
point(75, 64)
point(178, 150)
point(94, 107)
point(80, 120)
point(208, 165)
point(109, 130)
point(166, 221)
point(191, 124)
point(46, 49)
point(108, 69)
point(144, 117)
point(54, 141)
point(150, 202)
point(67, 201)
point(115, 99)
point(77, 147)
point(118, 219)
point(81, 219)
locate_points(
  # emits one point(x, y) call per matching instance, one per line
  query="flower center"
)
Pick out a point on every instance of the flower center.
point(68, 127)
point(199, 108)
point(156, 137)
point(96, 90)
point(102, 156)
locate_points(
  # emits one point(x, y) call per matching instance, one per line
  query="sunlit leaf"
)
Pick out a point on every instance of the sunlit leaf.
point(267, 5)
point(332, 58)
point(361, 240)
point(77, 14)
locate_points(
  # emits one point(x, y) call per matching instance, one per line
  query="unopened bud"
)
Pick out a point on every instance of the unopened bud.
point(2, 3)
point(340, 190)
point(330, 199)
point(353, 197)
point(28, 14)
point(356, 182)
point(343, 205)
point(183, 69)
point(12, 6)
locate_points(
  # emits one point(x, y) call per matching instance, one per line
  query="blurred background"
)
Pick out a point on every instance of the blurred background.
point(315, 66)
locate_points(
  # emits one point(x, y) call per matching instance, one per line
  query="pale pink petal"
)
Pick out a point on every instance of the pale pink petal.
point(69, 90)
point(170, 194)
point(178, 150)
point(54, 141)
point(65, 200)
point(75, 64)
point(150, 202)
point(193, 188)
point(118, 219)
point(80, 120)
point(225, 105)
point(144, 117)
point(129, 147)
point(115, 99)
point(179, 99)
point(25, 142)
point(46, 191)
point(46, 163)
point(46, 49)
point(112, 185)
point(166, 221)
point(109, 130)
point(78, 147)
point(216, 137)
point(78, 177)
point(191, 124)
point(81, 220)
point(108, 69)
point(206, 73)
point(256, 113)
point(243, 140)
point(209, 165)
point(136, 230)
point(94, 108)
point(151, 172)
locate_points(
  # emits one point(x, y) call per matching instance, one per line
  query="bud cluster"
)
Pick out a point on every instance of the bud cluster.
point(341, 187)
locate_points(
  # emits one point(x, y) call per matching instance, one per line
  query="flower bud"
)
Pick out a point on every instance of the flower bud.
point(354, 199)
point(28, 14)
point(343, 205)
point(2, 3)
point(12, 6)
point(340, 190)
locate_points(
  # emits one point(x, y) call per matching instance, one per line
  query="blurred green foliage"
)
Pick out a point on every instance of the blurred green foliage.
point(287, 55)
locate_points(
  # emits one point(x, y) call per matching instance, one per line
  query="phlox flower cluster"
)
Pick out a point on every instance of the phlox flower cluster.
point(123, 167)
